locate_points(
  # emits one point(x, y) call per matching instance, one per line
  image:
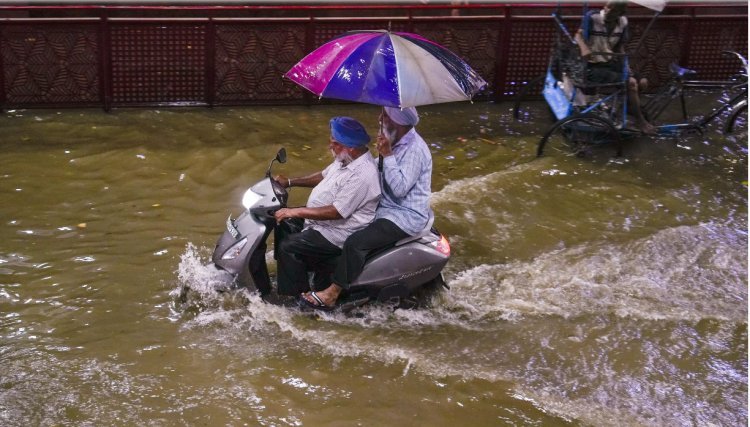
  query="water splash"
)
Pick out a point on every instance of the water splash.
point(586, 368)
point(197, 273)
point(682, 273)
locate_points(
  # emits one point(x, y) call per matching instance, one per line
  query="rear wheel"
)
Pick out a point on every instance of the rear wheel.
point(577, 135)
point(422, 298)
point(737, 120)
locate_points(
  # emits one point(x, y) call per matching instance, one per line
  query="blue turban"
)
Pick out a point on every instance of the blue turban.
point(349, 132)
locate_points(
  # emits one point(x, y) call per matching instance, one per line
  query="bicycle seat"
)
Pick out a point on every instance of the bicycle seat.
point(681, 72)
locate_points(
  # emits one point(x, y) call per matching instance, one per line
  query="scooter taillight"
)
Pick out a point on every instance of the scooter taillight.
point(443, 246)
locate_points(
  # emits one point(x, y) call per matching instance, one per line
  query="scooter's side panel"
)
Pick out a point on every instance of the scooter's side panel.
point(255, 232)
point(412, 265)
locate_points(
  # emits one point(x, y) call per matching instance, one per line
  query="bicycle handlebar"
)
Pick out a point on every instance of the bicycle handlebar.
point(739, 56)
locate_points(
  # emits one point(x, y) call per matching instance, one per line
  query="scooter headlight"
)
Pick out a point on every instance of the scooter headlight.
point(250, 198)
point(235, 249)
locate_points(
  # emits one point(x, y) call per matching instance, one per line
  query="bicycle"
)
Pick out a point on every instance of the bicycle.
point(589, 115)
point(682, 82)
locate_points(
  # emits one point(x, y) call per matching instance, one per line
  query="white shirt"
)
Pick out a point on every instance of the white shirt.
point(601, 41)
point(354, 190)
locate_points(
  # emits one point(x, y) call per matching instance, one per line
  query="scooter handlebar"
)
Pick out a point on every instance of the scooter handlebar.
point(281, 193)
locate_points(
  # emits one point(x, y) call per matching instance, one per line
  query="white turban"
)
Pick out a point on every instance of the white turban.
point(403, 116)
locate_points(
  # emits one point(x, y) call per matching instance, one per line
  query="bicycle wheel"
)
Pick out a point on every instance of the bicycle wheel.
point(578, 134)
point(737, 119)
point(531, 90)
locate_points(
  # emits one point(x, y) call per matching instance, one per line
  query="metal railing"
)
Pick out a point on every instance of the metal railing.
point(117, 56)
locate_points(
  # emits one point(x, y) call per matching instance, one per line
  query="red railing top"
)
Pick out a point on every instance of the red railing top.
point(334, 5)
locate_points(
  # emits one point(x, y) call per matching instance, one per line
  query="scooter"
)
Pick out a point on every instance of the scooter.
point(400, 276)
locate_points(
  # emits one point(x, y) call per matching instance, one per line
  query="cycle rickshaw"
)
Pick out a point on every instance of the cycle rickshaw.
point(592, 114)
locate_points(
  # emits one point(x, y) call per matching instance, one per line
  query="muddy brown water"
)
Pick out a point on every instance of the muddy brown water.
point(593, 291)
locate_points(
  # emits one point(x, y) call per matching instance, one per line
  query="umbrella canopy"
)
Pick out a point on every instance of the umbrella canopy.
point(386, 68)
point(655, 5)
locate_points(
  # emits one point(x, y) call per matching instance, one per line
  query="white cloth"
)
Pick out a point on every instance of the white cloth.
point(403, 116)
point(600, 40)
point(354, 190)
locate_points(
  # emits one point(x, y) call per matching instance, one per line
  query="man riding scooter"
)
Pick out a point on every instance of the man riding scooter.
point(403, 211)
point(399, 275)
point(344, 198)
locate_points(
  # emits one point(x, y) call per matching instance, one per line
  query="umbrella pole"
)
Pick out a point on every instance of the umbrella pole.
point(380, 132)
point(643, 35)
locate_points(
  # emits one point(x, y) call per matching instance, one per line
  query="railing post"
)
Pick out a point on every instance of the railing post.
point(309, 46)
point(210, 49)
point(105, 62)
point(2, 73)
point(501, 53)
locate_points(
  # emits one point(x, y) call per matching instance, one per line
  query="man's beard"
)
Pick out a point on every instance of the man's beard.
point(344, 157)
point(390, 133)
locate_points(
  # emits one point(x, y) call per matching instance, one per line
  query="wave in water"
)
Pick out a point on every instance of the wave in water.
point(681, 273)
point(647, 301)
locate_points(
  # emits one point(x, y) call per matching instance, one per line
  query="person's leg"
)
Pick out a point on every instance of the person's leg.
point(323, 272)
point(377, 235)
point(286, 228)
point(642, 84)
point(612, 72)
point(294, 254)
point(635, 107)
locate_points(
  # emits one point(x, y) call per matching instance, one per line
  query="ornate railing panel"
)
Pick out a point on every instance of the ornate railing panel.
point(160, 62)
point(252, 57)
point(111, 56)
point(50, 63)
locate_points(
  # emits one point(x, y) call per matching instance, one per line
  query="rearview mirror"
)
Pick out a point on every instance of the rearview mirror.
point(280, 157)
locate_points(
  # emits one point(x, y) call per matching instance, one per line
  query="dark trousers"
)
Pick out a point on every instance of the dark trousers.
point(298, 253)
point(604, 72)
point(379, 234)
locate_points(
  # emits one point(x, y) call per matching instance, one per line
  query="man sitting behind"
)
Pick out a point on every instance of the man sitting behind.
point(607, 32)
point(404, 209)
point(343, 200)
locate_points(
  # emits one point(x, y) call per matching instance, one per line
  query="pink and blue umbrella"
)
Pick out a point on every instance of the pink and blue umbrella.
point(386, 68)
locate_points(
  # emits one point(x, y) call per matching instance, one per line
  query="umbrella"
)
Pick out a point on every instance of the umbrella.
point(655, 5)
point(386, 68)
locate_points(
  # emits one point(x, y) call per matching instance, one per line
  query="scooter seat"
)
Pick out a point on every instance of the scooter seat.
point(681, 72)
point(415, 237)
point(425, 232)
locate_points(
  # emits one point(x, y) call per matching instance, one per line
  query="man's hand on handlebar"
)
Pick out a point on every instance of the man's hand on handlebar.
point(283, 181)
point(284, 213)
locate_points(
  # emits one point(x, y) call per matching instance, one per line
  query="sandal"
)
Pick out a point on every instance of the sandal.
point(317, 305)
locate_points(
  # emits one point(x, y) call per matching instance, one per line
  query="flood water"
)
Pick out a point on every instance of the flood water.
point(592, 291)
